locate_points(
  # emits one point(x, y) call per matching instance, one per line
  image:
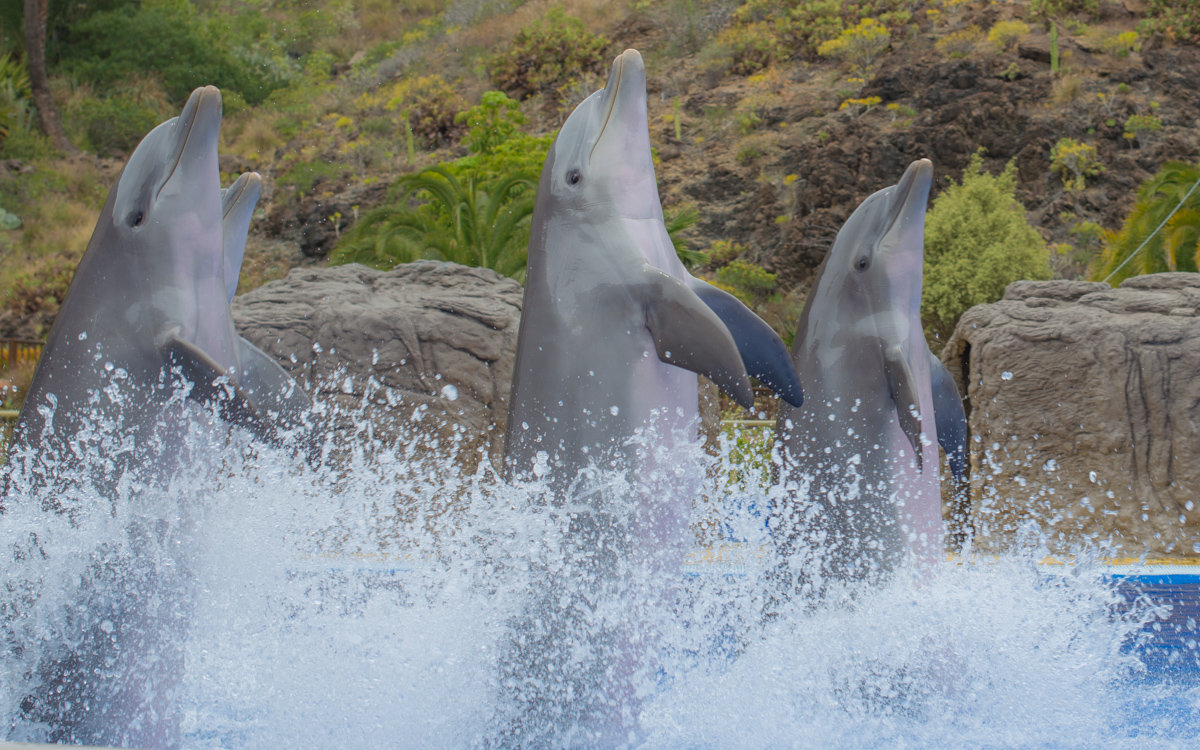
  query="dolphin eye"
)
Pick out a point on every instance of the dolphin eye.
point(135, 218)
point(574, 176)
point(862, 263)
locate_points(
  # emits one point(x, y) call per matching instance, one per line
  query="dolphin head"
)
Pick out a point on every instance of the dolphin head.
point(237, 208)
point(878, 256)
point(164, 214)
point(601, 156)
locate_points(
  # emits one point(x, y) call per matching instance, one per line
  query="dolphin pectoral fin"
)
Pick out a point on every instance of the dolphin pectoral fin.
point(270, 385)
point(950, 418)
point(689, 335)
point(763, 352)
point(903, 390)
point(233, 403)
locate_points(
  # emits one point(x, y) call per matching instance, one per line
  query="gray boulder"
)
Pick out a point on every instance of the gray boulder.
point(426, 346)
point(1084, 413)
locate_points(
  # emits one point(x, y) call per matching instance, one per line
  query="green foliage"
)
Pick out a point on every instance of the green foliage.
point(9, 221)
point(302, 175)
point(750, 47)
point(750, 283)
point(1138, 126)
point(678, 221)
point(859, 46)
point(1174, 19)
point(1075, 162)
point(1122, 44)
point(1056, 8)
point(1174, 248)
point(431, 106)
point(492, 122)
point(547, 55)
point(1004, 35)
point(15, 108)
point(959, 44)
point(470, 221)
point(977, 240)
point(114, 125)
point(167, 39)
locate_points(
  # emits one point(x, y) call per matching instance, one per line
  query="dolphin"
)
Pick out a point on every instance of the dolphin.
point(876, 399)
point(145, 320)
point(258, 373)
point(614, 327)
point(612, 335)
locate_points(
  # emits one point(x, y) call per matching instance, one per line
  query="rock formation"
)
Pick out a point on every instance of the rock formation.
point(1084, 413)
point(426, 345)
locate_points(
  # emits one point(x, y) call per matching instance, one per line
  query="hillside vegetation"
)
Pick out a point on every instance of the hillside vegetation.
point(388, 131)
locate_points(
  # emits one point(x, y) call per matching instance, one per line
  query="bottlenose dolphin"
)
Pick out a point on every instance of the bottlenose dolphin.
point(612, 335)
point(145, 321)
point(612, 320)
point(876, 399)
point(278, 396)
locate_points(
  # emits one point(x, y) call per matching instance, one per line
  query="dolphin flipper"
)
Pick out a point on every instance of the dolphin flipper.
point(950, 417)
point(688, 334)
point(233, 403)
point(268, 383)
point(902, 387)
point(763, 352)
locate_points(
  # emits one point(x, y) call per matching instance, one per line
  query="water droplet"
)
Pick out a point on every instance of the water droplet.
point(83, 336)
point(614, 410)
point(106, 626)
point(108, 366)
point(449, 392)
point(1006, 375)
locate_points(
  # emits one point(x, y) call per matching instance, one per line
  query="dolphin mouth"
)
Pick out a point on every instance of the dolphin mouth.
point(201, 117)
point(237, 190)
point(912, 193)
point(629, 62)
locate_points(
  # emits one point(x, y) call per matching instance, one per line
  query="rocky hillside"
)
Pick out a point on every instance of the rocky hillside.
point(773, 140)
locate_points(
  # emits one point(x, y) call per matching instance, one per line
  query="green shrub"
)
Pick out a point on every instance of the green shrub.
point(1005, 34)
point(1176, 247)
point(1054, 8)
point(977, 241)
point(302, 175)
point(750, 283)
point(859, 46)
point(547, 54)
point(959, 44)
point(113, 126)
point(1075, 162)
point(1174, 19)
point(163, 37)
point(491, 123)
point(430, 105)
point(1138, 127)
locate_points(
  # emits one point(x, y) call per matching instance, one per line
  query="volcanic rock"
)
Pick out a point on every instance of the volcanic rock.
point(426, 346)
point(1084, 413)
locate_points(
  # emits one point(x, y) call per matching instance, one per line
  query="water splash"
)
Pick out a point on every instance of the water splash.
point(375, 602)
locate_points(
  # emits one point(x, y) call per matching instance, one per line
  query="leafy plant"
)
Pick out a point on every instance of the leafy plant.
point(1122, 44)
point(492, 122)
point(860, 46)
point(469, 221)
point(1138, 127)
point(14, 97)
point(750, 283)
point(1176, 247)
point(977, 241)
point(1075, 162)
point(114, 125)
point(546, 54)
point(1174, 19)
point(431, 107)
point(1004, 35)
point(959, 44)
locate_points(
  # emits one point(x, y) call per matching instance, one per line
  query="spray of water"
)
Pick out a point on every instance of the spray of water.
point(390, 597)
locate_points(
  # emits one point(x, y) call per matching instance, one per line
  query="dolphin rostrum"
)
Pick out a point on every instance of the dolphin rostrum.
point(876, 399)
point(146, 320)
point(612, 335)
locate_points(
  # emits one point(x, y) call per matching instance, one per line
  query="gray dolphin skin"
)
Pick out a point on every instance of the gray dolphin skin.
point(864, 439)
point(612, 321)
point(612, 335)
point(147, 305)
point(260, 375)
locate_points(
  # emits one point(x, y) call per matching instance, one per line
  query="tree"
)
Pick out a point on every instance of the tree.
point(977, 241)
point(1169, 199)
point(39, 84)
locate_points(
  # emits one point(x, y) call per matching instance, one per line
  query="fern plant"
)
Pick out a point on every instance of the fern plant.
point(438, 215)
